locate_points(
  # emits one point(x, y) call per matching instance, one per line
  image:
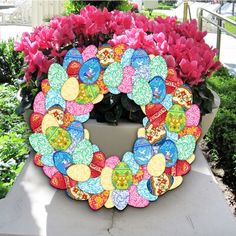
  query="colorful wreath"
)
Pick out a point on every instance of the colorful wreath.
point(162, 152)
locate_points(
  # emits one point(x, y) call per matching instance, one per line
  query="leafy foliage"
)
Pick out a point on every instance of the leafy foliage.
point(222, 136)
point(115, 107)
point(11, 63)
point(74, 6)
point(13, 139)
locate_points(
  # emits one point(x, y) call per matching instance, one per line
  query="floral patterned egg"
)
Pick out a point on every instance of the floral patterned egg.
point(155, 134)
point(175, 119)
point(122, 176)
point(158, 89)
point(58, 138)
point(87, 93)
point(158, 185)
point(89, 71)
point(183, 97)
point(106, 55)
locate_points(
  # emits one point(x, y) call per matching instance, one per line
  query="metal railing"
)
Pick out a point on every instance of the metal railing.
point(220, 20)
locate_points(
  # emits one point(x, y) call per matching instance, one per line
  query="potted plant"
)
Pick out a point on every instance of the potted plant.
point(181, 44)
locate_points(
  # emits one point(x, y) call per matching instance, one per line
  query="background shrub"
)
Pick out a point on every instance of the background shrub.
point(222, 136)
point(74, 6)
point(11, 63)
point(13, 129)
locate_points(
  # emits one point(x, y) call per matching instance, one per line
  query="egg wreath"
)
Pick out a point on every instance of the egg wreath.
point(162, 152)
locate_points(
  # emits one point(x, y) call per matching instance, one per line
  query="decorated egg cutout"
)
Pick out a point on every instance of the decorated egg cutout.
point(183, 96)
point(58, 138)
point(158, 185)
point(72, 55)
point(105, 55)
point(175, 119)
point(139, 58)
point(142, 151)
point(163, 151)
point(58, 113)
point(169, 150)
point(89, 71)
point(73, 69)
point(126, 57)
point(155, 134)
point(62, 161)
point(122, 176)
point(157, 85)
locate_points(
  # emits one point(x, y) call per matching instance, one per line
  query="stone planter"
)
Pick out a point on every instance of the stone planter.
point(116, 140)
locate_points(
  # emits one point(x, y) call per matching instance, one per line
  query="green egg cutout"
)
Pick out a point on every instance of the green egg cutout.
point(142, 92)
point(122, 176)
point(40, 143)
point(57, 76)
point(175, 119)
point(158, 67)
point(58, 138)
point(185, 146)
point(83, 153)
point(113, 75)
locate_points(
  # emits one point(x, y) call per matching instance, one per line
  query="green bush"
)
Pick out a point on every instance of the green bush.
point(11, 63)
point(13, 139)
point(74, 6)
point(222, 137)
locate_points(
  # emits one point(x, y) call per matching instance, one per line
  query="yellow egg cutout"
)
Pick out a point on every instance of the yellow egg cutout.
point(106, 178)
point(109, 203)
point(98, 99)
point(48, 121)
point(86, 134)
point(191, 159)
point(156, 165)
point(79, 172)
point(141, 133)
point(70, 89)
point(177, 182)
point(143, 109)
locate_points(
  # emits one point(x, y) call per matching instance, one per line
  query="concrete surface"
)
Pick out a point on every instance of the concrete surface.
point(197, 207)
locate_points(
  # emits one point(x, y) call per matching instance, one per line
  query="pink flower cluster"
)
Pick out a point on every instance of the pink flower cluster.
point(181, 43)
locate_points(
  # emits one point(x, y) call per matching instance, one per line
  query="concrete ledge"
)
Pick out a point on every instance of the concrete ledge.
point(197, 207)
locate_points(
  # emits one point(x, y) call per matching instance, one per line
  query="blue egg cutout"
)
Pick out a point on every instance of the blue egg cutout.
point(54, 98)
point(139, 58)
point(72, 55)
point(142, 151)
point(158, 87)
point(76, 130)
point(89, 71)
point(169, 150)
point(62, 161)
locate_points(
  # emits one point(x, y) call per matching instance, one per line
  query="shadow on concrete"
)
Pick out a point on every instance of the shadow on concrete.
point(16, 211)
